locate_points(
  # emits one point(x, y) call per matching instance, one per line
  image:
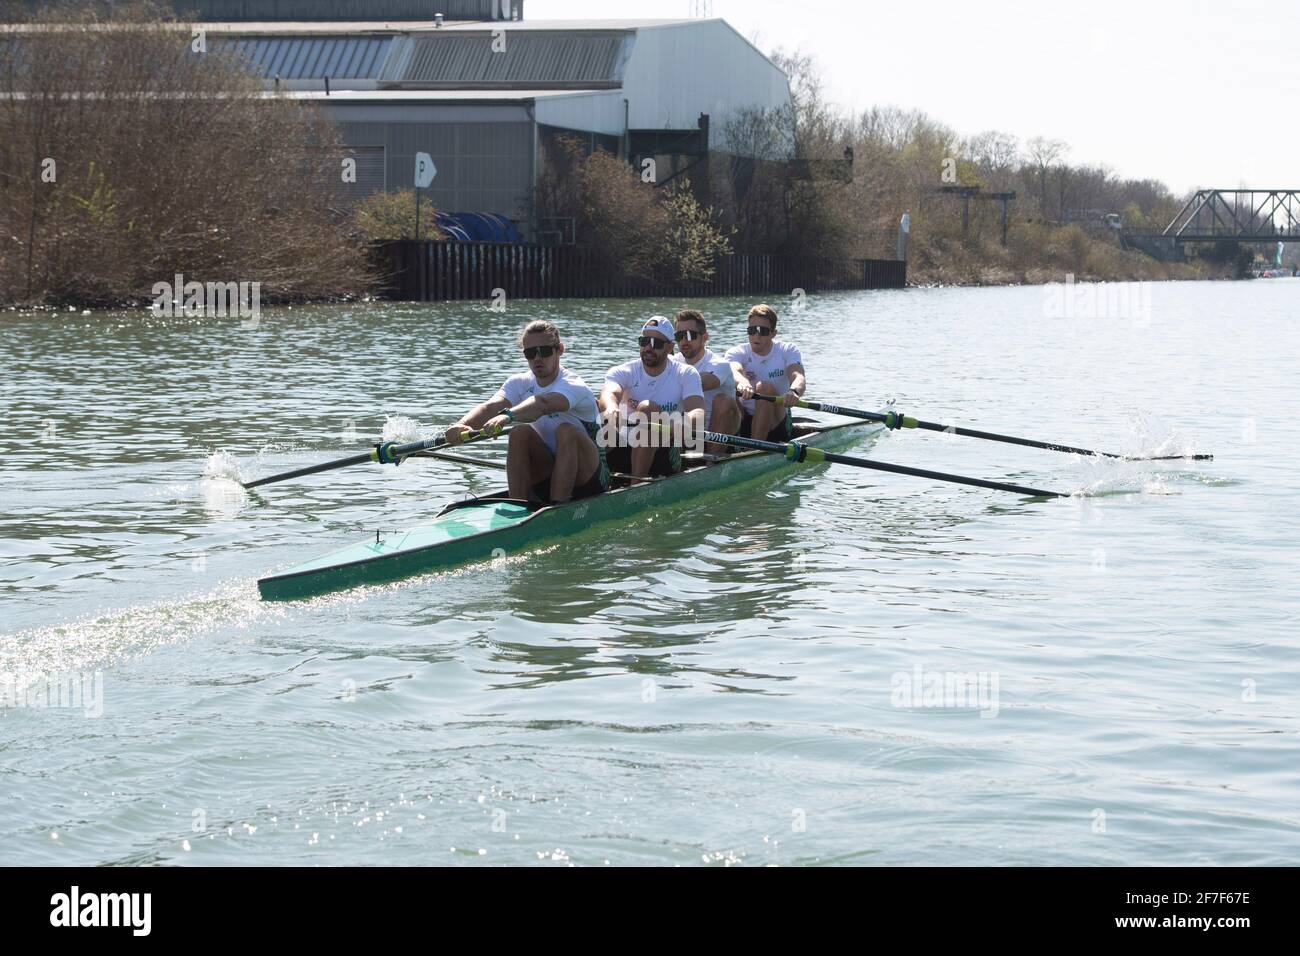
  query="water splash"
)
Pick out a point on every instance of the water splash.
point(403, 428)
point(222, 465)
point(1115, 476)
point(1149, 437)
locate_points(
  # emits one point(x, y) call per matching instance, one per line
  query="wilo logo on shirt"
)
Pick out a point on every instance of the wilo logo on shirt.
point(103, 909)
point(662, 429)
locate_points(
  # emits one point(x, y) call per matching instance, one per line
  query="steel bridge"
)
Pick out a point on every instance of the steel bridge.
point(1240, 215)
point(1224, 215)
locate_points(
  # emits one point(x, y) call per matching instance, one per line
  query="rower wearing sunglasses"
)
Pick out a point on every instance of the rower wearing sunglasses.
point(769, 366)
point(721, 411)
point(650, 386)
point(553, 453)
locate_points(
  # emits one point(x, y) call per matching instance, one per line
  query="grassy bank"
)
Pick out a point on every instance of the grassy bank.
point(1040, 254)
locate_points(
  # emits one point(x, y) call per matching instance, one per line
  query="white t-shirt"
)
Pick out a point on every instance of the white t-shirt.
point(582, 404)
point(766, 368)
point(714, 366)
point(669, 389)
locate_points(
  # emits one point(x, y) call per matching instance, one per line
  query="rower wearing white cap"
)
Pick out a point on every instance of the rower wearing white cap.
point(652, 386)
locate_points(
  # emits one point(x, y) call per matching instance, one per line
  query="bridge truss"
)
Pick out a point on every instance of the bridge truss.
point(1241, 215)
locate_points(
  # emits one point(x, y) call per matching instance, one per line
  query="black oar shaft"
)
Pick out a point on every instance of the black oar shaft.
point(386, 452)
point(312, 469)
point(1010, 439)
point(943, 476)
point(797, 451)
point(898, 420)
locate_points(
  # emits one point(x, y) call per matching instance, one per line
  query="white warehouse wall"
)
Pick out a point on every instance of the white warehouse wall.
point(598, 112)
point(678, 71)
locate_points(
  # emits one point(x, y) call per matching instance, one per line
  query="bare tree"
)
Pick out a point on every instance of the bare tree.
point(1044, 154)
point(127, 155)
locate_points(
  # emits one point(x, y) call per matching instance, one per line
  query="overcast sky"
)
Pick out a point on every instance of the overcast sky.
point(1191, 92)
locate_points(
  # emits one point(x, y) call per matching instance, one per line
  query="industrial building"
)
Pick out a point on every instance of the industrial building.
point(484, 91)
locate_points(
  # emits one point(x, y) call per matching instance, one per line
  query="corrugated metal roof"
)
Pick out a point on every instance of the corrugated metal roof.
point(311, 27)
point(590, 23)
point(253, 10)
point(465, 60)
point(437, 96)
point(308, 58)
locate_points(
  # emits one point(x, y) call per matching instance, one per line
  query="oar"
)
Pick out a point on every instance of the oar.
point(899, 420)
point(797, 451)
point(388, 453)
point(460, 459)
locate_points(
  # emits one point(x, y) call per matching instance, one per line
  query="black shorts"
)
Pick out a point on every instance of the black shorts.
point(667, 461)
point(783, 431)
point(597, 484)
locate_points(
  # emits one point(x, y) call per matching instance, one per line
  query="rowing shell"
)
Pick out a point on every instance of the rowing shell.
point(482, 528)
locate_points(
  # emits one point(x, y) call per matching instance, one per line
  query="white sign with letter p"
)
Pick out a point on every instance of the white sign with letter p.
point(424, 170)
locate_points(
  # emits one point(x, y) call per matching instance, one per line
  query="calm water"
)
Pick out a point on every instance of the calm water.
point(724, 682)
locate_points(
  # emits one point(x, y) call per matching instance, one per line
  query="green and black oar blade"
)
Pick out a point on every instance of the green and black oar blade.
point(797, 451)
point(386, 452)
point(899, 420)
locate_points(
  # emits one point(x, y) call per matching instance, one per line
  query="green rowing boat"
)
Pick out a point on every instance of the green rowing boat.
point(482, 528)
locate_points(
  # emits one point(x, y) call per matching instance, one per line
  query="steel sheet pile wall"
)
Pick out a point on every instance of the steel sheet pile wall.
point(459, 271)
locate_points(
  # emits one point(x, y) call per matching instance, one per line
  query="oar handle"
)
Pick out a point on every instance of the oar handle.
point(391, 453)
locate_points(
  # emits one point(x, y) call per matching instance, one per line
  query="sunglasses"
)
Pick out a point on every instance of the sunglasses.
point(545, 351)
point(690, 335)
point(758, 330)
point(650, 342)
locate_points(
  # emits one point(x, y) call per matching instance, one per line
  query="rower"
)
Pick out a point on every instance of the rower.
point(721, 411)
point(653, 386)
point(769, 366)
point(552, 452)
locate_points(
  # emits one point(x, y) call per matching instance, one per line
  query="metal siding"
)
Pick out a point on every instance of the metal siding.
point(465, 60)
point(275, 56)
point(296, 58)
point(678, 72)
point(482, 167)
point(371, 174)
point(307, 60)
point(339, 57)
point(231, 11)
point(333, 55)
point(298, 52)
point(596, 112)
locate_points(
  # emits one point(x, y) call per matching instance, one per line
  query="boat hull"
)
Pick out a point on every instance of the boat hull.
point(494, 526)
